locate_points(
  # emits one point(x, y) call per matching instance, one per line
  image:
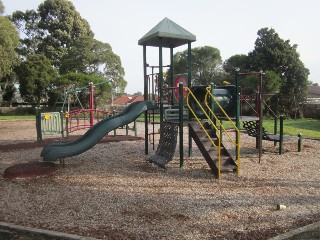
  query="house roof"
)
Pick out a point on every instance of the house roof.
point(123, 100)
point(313, 91)
point(167, 34)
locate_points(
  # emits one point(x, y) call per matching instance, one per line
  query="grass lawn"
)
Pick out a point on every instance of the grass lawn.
point(307, 127)
point(22, 117)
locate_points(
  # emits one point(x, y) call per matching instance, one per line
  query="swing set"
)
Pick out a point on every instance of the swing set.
point(67, 121)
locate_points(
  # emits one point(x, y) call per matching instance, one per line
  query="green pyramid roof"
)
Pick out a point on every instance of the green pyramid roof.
point(172, 35)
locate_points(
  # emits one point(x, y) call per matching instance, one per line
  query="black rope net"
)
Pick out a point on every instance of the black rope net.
point(167, 144)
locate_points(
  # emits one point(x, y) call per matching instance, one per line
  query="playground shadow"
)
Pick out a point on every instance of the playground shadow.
point(23, 145)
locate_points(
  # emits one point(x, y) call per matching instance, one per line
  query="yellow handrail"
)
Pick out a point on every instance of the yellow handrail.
point(203, 128)
point(208, 92)
point(226, 115)
point(237, 144)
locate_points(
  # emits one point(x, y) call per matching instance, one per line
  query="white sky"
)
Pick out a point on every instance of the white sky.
point(229, 25)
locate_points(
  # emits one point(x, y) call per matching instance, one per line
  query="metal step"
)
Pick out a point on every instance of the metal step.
point(209, 152)
point(228, 168)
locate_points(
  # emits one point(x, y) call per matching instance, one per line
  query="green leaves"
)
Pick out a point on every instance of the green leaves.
point(275, 54)
point(9, 40)
point(206, 65)
point(57, 32)
point(35, 76)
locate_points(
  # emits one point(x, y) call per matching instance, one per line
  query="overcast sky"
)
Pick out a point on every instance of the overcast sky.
point(230, 26)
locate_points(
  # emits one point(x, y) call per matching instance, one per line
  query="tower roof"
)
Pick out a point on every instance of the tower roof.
point(170, 33)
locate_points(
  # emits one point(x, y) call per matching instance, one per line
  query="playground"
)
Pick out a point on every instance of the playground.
point(113, 192)
point(165, 182)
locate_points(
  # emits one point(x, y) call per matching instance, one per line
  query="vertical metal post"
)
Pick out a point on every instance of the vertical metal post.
point(281, 135)
point(189, 86)
point(67, 125)
point(237, 113)
point(91, 104)
point(275, 126)
point(260, 107)
point(38, 124)
point(171, 72)
point(299, 142)
point(181, 123)
point(161, 81)
point(62, 125)
point(145, 79)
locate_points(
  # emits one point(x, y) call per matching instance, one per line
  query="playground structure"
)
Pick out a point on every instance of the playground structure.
point(202, 108)
point(168, 34)
point(55, 151)
point(71, 120)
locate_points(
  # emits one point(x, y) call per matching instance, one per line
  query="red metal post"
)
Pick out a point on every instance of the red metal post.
point(91, 104)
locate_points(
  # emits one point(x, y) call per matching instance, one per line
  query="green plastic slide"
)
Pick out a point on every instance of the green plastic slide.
point(55, 151)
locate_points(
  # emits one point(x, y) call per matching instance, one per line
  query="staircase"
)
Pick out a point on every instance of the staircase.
point(206, 138)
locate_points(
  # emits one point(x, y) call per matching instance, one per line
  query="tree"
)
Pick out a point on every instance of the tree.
point(57, 31)
point(102, 92)
point(53, 29)
point(27, 23)
point(238, 62)
point(273, 53)
point(91, 56)
point(35, 76)
point(9, 40)
point(1, 8)
point(250, 84)
point(9, 58)
point(206, 65)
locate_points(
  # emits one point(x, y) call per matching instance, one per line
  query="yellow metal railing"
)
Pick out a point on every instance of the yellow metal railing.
point(217, 128)
point(237, 143)
point(190, 93)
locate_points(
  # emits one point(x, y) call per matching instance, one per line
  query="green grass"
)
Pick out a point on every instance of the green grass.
point(19, 117)
point(307, 127)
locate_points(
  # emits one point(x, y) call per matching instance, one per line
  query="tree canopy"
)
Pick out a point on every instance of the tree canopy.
point(9, 40)
point(1, 8)
point(206, 65)
point(57, 31)
point(35, 76)
point(275, 54)
point(102, 91)
point(9, 58)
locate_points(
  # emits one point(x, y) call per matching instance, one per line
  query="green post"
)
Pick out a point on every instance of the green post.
point(281, 135)
point(67, 125)
point(161, 82)
point(61, 119)
point(300, 142)
point(260, 114)
point(146, 146)
point(189, 86)
point(211, 103)
point(38, 124)
point(237, 112)
point(181, 123)
point(275, 126)
point(135, 128)
point(171, 72)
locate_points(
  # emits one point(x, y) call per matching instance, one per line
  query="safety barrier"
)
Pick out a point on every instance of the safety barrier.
point(216, 124)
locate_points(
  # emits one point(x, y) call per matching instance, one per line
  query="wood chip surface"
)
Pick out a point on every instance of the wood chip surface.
point(112, 192)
